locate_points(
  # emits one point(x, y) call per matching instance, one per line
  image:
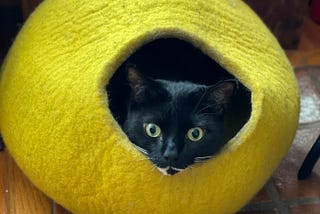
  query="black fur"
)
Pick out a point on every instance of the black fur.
point(177, 107)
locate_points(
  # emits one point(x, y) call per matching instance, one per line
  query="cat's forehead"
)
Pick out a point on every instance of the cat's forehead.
point(181, 88)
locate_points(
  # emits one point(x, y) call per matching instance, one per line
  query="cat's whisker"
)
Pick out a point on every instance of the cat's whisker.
point(203, 157)
point(177, 169)
point(210, 106)
point(141, 149)
point(153, 168)
point(199, 161)
point(206, 107)
point(198, 104)
point(213, 113)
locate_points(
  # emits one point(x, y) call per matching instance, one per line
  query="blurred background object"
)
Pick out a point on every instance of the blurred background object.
point(315, 10)
point(284, 18)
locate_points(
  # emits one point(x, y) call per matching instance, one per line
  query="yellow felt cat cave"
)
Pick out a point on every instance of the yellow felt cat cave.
point(56, 123)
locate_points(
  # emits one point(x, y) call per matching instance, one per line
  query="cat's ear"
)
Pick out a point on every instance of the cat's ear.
point(144, 89)
point(220, 94)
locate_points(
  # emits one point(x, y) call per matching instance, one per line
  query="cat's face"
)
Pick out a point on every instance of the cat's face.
point(176, 124)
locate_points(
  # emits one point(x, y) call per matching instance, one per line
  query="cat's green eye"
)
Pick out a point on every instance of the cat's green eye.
point(195, 134)
point(152, 130)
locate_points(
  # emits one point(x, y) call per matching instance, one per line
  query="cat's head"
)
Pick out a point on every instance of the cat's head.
point(176, 124)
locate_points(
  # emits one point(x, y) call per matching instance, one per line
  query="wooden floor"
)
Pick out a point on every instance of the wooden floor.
point(19, 196)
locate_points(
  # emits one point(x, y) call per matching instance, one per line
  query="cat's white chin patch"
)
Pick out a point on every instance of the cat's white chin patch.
point(169, 170)
point(163, 170)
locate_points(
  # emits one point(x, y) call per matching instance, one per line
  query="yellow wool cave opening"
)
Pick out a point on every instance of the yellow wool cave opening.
point(178, 60)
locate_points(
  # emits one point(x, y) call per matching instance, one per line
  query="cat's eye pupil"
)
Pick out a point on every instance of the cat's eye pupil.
point(152, 129)
point(195, 133)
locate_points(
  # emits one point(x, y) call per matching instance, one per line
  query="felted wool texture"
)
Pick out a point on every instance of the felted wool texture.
point(57, 125)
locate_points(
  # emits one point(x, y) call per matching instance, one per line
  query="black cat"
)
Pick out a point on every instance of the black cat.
point(181, 107)
point(176, 124)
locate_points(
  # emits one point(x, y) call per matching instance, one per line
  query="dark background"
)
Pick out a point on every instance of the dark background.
point(284, 18)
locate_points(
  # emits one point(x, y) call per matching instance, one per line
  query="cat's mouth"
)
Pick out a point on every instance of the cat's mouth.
point(169, 170)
